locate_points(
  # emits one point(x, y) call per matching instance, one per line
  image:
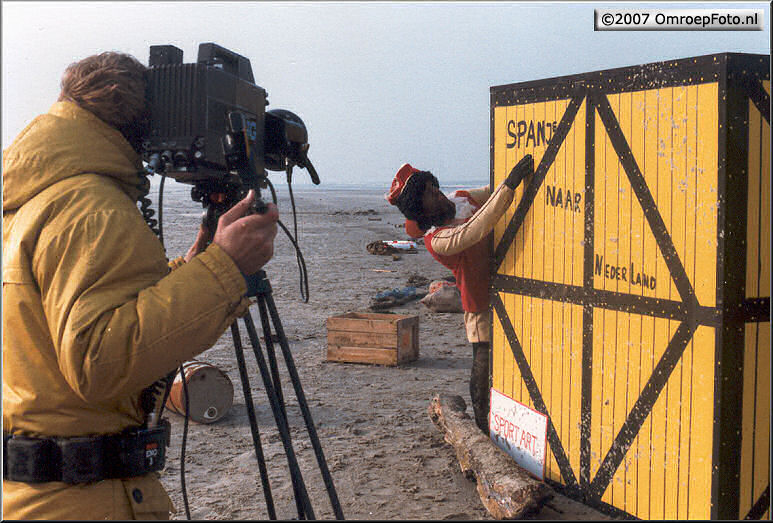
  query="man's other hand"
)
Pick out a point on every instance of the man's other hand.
point(202, 238)
point(247, 238)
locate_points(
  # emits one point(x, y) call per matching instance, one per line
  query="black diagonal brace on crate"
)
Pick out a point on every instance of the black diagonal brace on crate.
point(535, 394)
point(530, 192)
point(648, 205)
point(642, 408)
point(761, 506)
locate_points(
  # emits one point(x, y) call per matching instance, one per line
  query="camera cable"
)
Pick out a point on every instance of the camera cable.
point(181, 370)
point(299, 256)
point(304, 275)
point(185, 439)
point(165, 383)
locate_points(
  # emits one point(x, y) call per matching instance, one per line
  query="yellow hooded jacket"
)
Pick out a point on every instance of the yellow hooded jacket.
point(91, 313)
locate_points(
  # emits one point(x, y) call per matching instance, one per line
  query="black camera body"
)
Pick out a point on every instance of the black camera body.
point(197, 109)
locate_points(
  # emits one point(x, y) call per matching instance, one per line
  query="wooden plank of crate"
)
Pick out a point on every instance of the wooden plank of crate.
point(362, 355)
point(385, 316)
point(362, 339)
point(361, 325)
point(408, 334)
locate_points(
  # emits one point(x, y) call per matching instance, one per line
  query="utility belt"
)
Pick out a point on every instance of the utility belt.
point(133, 452)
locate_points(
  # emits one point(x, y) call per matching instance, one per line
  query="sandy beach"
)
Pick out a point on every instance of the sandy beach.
point(387, 459)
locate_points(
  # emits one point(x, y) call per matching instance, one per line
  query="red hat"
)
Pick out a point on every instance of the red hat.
point(413, 230)
point(398, 184)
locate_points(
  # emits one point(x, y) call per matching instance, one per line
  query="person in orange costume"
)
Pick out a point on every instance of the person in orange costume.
point(455, 228)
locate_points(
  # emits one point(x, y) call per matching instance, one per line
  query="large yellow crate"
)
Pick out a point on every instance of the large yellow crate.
point(631, 282)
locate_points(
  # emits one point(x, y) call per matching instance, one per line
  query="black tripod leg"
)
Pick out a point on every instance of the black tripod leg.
point(327, 478)
point(253, 421)
point(302, 500)
point(271, 353)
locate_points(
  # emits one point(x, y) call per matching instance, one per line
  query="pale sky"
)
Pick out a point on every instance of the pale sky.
point(378, 84)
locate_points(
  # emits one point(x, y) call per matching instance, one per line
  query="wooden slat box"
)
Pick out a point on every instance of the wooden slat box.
point(366, 337)
point(631, 282)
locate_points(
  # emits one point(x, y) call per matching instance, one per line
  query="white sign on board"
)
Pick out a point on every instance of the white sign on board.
point(520, 431)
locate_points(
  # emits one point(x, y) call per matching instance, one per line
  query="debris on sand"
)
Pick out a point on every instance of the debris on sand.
point(359, 212)
point(445, 298)
point(417, 280)
point(437, 284)
point(391, 247)
point(379, 247)
point(394, 297)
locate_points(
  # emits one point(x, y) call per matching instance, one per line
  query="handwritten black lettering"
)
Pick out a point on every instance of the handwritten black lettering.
point(632, 274)
point(535, 135)
point(557, 197)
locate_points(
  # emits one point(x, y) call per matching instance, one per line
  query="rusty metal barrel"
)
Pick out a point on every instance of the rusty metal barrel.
point(210, 392)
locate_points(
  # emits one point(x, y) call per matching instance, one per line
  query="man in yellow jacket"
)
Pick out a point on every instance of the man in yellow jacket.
point(91, 313)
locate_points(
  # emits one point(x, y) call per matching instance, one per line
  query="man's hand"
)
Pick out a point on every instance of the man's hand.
point(522, 170)
point(200, 244)
point(248, 240)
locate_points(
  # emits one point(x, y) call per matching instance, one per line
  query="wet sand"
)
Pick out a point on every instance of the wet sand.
point(387, 459)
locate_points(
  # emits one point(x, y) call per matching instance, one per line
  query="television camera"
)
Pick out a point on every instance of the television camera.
point(208, 126)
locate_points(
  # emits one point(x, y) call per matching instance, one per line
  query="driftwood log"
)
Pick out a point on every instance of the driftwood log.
point(506, 490)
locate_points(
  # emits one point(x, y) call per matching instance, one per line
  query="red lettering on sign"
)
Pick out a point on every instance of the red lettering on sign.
point(512, 432)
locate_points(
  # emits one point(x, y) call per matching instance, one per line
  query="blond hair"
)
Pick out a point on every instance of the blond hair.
point(111, 86)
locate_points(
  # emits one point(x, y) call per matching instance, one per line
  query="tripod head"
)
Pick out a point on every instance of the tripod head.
point(218, 194)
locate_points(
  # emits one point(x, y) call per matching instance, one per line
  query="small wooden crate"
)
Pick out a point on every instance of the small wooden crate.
point(366, 337)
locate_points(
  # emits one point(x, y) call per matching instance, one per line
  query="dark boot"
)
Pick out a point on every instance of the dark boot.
point(479, 385)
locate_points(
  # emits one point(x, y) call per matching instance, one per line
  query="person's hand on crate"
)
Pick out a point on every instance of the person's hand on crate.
point(522, 170)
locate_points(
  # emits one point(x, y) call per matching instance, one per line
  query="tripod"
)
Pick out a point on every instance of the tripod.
point(218, 196)
point(269, 372)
